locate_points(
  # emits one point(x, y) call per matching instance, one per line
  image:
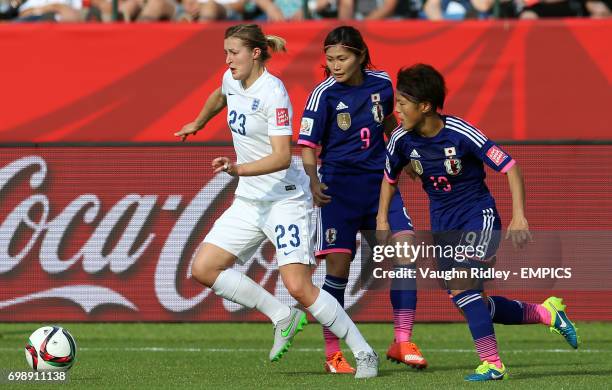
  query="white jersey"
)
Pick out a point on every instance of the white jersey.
point(253, 115)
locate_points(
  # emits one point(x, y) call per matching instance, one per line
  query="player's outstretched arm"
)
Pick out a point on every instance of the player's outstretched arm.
point(518, 229)
point(279, 159)
point(214, 104)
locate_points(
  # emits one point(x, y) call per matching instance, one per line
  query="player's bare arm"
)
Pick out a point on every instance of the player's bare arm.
point(518, 230)
point(309, 159)
point(279, 159)
point(214, 104)
point(382, 218)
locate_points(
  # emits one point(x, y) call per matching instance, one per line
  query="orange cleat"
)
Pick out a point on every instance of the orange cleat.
point(337, 364)
point(407, 353)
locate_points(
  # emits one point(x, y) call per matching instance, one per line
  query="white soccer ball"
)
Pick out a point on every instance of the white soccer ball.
point(51, 348)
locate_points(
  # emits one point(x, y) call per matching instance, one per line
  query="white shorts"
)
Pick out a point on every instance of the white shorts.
point(286, 223)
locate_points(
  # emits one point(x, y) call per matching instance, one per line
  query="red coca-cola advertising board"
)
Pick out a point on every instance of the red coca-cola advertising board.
point(100, 233)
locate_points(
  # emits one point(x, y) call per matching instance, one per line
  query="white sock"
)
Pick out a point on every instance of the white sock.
point(330, 314)
point(239, 288)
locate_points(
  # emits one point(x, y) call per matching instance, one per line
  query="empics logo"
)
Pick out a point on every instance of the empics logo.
point(282, 117)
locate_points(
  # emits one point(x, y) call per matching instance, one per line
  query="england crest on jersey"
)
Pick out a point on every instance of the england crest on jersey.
point(255, 105)
point(453, 166)
point(377, 113)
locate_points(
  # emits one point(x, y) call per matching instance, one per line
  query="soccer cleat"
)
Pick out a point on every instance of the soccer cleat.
point(488, 372)
point(284, 332)
point(407, 353)
point(337, 364)
point(559, 323)
point(367, 365)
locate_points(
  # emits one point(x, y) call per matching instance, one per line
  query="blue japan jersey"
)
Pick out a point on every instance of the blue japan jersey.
point(347, 121)
point(451, 169)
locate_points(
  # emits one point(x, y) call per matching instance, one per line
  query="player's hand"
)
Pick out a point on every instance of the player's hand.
point(319, 197)
point(224, 164)
point(383, 231)
point(518, 231)
point(189, 128)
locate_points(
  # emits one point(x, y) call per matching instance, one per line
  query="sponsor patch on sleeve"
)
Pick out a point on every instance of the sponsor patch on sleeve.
point(496, 155)
point(306, 126)
point(282, 117)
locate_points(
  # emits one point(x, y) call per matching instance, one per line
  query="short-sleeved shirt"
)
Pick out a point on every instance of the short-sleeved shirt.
point(347, 121)
point(451, 168)
point(254, 115)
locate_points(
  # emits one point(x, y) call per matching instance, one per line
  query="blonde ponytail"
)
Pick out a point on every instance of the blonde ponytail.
point(252, 37)
point(276, 43)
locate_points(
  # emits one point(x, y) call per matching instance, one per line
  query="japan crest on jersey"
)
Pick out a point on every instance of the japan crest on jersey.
point(344, 120)
point(330, 235)
point(417, 167)
point(453, 166)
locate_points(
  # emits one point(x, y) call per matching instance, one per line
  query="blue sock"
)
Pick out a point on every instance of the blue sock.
point(481, 326)
point(505, 311)
point(335, 286)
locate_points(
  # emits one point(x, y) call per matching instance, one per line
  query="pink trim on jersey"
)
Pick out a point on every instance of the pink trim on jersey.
point(307, 143)
point(508, 166)
point(389, 179)
point(411, 232)
point(334, 250)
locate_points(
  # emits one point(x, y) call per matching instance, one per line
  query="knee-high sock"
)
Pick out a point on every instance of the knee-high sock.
point(506, 311)
point(403, 296)
point(480, 324)
point(335, 286)
point(330, 314)
point(239, 288)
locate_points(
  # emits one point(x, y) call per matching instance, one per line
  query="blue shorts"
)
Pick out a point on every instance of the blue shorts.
point(481, 231)
point(353, 208)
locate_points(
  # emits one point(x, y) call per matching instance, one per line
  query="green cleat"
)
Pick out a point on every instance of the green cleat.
point(284, 332)
point(559, 322)
point(488, 372)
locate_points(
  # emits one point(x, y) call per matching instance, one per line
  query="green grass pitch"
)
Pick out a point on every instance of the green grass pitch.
point(233, 356)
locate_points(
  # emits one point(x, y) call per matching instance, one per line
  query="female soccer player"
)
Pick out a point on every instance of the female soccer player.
point(448, 154)
point(272, 200)
point(348, 115)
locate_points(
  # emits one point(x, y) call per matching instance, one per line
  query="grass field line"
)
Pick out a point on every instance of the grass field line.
point(239, 350)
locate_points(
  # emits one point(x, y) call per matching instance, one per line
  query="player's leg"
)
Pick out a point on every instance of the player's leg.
point(480, 233)
point(511, 312)
point(403, 291)
point(328, 312)
point(337, 267)
point(552, 313)
point(337, 225)
point(289, 228)
point(234, 237)
point(212, 268)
